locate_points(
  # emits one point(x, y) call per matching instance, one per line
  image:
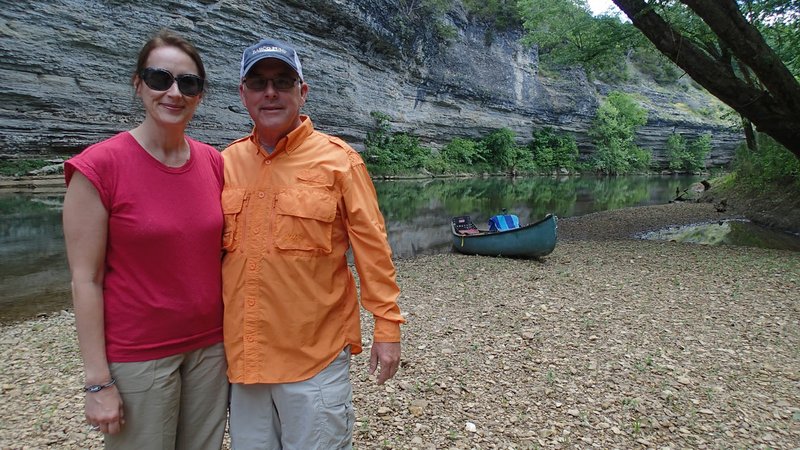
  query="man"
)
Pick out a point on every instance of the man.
point(294, 201)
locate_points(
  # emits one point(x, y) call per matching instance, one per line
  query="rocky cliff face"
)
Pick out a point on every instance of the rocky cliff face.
point(65, 68)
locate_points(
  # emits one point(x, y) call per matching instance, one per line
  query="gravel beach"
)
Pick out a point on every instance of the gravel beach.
point(610, 342)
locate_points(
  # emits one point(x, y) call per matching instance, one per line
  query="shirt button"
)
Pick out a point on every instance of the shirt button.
point(269, 161)
point(261, 195)
point(251, 301)
point(250, 338)
point(256, 231)
point(252, 266)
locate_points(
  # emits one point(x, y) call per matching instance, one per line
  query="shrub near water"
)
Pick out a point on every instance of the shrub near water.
point(390, 153)
point(552, 151)
point(690, 156)
point(462, 155)
point(770, 166)
point(505, 154)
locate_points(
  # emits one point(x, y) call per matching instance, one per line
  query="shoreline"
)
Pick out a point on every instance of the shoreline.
point(609, 342)
point(33, 184)
point(604, 225)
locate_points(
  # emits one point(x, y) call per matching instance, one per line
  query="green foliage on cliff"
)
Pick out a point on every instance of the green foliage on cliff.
point(613, 131)
point(655, 65)
point(422, 21)
point(568, 35)
point(501, 14)
point(18, 167)
point(564, 31)
point(461, 156)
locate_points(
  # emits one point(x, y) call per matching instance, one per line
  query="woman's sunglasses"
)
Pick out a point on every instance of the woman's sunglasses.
point(162, 79)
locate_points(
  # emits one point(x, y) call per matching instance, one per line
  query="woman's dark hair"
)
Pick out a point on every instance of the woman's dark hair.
point(166, 38)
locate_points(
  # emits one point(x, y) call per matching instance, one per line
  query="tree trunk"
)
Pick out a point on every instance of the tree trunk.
point(749, 135)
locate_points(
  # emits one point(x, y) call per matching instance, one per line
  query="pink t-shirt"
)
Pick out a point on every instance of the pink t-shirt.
point(161, 290)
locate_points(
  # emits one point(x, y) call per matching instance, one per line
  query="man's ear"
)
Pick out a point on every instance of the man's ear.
point(303, 93)
point(241, 94)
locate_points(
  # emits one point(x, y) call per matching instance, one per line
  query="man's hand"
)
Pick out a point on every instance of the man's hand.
point(387, 354)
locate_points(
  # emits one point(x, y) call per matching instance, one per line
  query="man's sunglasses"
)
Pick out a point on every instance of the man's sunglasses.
point(162, 79)
point(279, 83)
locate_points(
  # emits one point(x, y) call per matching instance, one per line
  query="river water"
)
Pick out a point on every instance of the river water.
point(34, 278)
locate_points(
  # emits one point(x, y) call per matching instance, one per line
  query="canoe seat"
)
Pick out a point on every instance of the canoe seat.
point(464, 225)
point(503, 222)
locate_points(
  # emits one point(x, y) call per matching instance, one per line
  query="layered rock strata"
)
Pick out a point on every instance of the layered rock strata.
point(66, 67)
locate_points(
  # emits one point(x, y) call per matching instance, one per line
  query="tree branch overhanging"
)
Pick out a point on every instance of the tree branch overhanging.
point(744, 40)
point(773, 109)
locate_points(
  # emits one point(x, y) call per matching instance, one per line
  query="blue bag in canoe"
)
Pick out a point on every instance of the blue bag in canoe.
point(503, 222)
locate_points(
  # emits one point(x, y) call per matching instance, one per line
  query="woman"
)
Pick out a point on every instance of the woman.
point(143, 227)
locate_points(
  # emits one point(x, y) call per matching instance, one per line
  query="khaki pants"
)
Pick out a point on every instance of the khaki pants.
point(177, 402)
point(315, 414)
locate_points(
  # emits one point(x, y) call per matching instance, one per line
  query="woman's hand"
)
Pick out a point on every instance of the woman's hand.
point(104, 410)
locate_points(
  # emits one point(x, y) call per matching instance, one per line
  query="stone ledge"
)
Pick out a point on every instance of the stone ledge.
point(45, 184)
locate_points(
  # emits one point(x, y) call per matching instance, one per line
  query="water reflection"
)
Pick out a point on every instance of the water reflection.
point(729, 232)
point(33, 269)
point(418, 213)
point(34, 276)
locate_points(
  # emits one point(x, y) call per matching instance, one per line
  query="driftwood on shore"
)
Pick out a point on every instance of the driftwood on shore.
point(693, 191)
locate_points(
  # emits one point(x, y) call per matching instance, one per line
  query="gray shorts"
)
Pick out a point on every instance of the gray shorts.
point(315, 414)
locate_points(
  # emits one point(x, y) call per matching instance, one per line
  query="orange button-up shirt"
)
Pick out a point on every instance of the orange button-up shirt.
point(291, 303)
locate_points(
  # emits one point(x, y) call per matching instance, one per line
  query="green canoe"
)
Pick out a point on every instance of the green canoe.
point(534, 240)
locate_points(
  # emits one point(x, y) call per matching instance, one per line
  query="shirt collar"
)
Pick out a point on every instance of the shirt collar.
point(289, 142)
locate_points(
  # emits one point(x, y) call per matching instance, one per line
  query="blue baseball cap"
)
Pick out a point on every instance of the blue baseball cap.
point(270, 48)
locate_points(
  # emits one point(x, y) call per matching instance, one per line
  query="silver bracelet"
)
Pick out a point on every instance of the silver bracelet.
point(99, 387)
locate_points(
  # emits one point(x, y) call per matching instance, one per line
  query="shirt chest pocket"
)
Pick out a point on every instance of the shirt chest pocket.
point(304, 219)
point(232, 204)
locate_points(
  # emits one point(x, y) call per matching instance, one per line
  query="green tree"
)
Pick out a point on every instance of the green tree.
point(567, 35)
point(778, 22)
point(697, 152)
point(392, 153)
point(464, 153)
point(614, 130)
point(504, 153)
point(552, 151)
point(676, 151)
